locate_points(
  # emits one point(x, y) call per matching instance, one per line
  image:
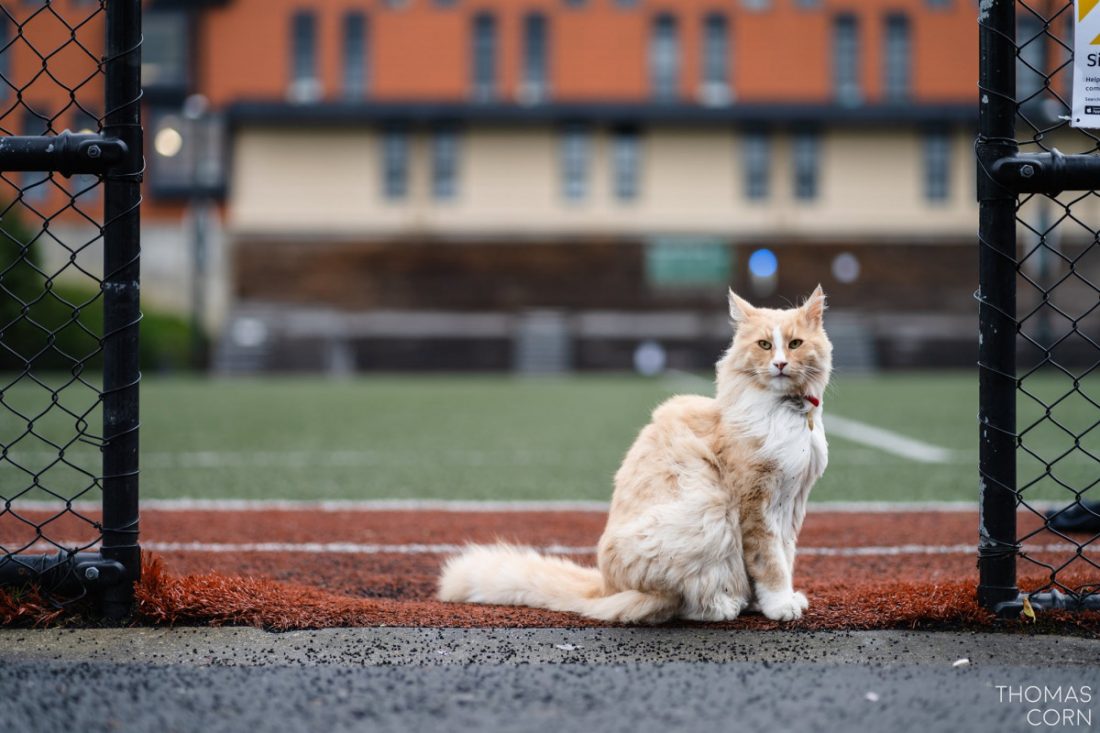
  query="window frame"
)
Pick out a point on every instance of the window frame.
point(536, 57)
point(484, 57)
point(395, 153)
point(806, 165)
point(936, 155)
point(626, 163)
point(664, 58)
point(304, 79)
point(445, 162)
point(757, 156)
point(359, 36)
point(846, 67)
point(716, 32)
point(897, 80)
point(576, 162)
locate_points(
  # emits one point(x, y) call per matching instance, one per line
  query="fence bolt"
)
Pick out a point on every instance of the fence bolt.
point(91, 573)
point(1026, 171)
point(95, 152)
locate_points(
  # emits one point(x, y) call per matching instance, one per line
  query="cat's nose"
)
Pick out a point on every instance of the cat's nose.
point(780, 365)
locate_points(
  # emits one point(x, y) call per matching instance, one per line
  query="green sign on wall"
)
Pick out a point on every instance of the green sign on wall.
point(687, 262)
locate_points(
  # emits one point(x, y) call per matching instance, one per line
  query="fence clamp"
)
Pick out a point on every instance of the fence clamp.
point(1049, 173)
point(100, 573)
point(67, 153)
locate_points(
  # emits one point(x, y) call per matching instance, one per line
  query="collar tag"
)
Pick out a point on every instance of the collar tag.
point(809, 413)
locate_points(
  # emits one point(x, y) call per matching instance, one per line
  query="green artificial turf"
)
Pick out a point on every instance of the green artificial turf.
point(499, 437)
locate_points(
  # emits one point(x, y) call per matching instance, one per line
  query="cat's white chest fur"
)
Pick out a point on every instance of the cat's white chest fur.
point(795, 441)
point(793, 438)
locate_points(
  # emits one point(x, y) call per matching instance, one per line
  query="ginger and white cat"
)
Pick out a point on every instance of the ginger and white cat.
point(708, 502)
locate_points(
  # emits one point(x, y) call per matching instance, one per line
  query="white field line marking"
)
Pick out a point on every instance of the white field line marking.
point(473, 506)
point(887, 440)
point(28, 463)
point(355, 548)
point(297, 459)
point(863, 433)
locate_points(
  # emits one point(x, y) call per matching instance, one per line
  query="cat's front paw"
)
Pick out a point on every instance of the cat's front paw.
point(783, 606)
point(801, 600)
point(720, 608)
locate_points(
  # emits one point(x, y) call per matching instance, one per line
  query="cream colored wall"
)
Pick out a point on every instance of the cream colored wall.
point(328, 184)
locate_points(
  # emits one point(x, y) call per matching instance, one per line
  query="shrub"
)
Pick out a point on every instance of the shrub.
point(56, 325)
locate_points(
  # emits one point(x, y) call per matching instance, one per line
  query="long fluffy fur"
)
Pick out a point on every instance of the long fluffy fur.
point(708, 502)
point(519, 576)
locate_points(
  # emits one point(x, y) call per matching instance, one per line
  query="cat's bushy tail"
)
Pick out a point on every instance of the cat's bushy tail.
point(519, 576)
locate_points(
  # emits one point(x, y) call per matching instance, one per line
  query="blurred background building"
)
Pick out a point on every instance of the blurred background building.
point(553, 184)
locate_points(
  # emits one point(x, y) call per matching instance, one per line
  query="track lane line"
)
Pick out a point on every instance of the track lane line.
point(356, 548)
point(873, 436)
point(479, 506)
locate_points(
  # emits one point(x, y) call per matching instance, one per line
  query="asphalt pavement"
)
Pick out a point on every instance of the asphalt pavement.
point(631, 680)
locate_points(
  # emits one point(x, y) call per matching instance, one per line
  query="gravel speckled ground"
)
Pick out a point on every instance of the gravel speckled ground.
point(635, 680)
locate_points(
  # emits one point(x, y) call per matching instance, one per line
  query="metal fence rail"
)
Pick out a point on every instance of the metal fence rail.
point(71, 162)
point(1039, 315)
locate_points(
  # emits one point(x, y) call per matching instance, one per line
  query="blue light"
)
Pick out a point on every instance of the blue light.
point(763, 263)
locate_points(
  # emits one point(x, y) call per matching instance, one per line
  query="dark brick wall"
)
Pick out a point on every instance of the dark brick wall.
point(897, 279)
point(583, 275)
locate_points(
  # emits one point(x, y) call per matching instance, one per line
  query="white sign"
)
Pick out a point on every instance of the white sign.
point(1086, 64)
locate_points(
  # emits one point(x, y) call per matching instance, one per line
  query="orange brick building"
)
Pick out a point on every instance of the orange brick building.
point(420, 50)
point(404, 179)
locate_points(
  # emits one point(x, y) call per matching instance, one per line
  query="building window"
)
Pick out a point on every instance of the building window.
point(939, 4)
point(757, 153)
point(35, 184)
point(535, 64)
point(626, 159)
point(575, 3)
point(5, 56)
point(756, 4)
point(716, 54)
point(626, 4)
point(446, 3)
point(937, 165)
point(355, 55)
point(664, 58)
point(1031, 59)
point(165, 50)
point(846, 60)
point(395, 164)
point(445, 164)
point(574, 162)
point(304, 84)
point(807, 4)
point(806, 165)
point(897, 71)
point(484, 57)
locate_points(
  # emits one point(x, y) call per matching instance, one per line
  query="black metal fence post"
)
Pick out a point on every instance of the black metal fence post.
point(50, 337)
point(121, 300)
point(997, 307)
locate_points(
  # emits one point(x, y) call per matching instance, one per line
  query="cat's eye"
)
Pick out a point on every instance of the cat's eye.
point(765, 345)
point(794, 344)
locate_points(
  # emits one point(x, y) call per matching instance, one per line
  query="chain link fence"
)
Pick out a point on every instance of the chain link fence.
point(1039, 307)
point(70, 170)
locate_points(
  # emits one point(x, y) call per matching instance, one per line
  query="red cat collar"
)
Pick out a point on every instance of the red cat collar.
point(812, 400)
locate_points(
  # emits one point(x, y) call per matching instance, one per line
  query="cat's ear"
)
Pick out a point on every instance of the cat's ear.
point(814, 307)
point(740, 309)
